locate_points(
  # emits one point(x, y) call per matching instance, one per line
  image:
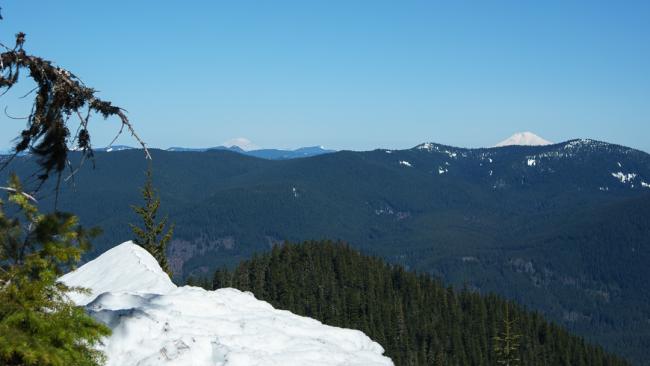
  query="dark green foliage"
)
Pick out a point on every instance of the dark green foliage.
point(414, 317)
point(204, 282)
point(39, 325)
point(148, 236)
point(545, 236)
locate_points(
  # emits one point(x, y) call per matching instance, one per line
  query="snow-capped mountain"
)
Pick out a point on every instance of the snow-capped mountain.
point(155, 322)
point(524, 138)
point(582, 164)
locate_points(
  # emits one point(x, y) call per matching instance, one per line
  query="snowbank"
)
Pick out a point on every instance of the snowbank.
point(156, 323)
point(124, 268)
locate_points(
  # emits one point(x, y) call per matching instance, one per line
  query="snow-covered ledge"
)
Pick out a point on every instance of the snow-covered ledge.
point(155, 322)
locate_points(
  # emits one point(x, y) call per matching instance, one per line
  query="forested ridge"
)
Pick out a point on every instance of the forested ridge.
point(564, 235)
point(414, 317)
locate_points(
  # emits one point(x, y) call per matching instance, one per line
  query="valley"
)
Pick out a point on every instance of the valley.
point(563, 228)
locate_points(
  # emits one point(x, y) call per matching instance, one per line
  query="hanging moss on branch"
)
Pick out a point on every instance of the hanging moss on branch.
point(59, 96)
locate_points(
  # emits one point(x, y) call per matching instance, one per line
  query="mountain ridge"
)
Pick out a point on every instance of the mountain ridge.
point(562, 228)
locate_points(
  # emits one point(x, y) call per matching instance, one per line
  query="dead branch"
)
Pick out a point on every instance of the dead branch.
point(58, 95)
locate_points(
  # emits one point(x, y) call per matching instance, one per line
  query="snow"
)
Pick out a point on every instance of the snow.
point(242, 143)
point(442, 170)
point(429, 146)
point(106, 273)
point(644, 184)
point(624, 178)
point(531, 162)
point(523, 138)
point(155, 322)
point(580, 143)
point(406, 163)
point(112, 148)
point(451, 154)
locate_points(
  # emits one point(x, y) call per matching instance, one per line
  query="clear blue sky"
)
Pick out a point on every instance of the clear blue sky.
point(350, 74)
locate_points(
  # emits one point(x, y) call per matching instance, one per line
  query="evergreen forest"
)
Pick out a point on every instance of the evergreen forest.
point(417, 319)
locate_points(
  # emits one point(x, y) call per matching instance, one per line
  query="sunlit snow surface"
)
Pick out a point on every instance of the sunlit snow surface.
point(624, 178)
point(156, 323)
point(524, 138)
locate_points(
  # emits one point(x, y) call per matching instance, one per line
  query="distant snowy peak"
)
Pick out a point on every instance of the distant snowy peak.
point(241, 143)
point(115, 148)
point(156, 323)
point(525, 139)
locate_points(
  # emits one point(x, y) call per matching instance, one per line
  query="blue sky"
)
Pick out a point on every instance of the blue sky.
point(350, 74)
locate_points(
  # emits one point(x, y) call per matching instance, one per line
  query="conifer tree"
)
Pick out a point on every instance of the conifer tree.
point(506, 343)
point(39, 324)
point(149, 235)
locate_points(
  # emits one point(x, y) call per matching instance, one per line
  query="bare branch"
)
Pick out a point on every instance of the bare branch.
point(26, 195)
point(12, 117)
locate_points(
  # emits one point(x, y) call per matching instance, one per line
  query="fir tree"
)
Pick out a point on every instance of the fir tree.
point(149, 236)
point(506, 343)
point(39, 325)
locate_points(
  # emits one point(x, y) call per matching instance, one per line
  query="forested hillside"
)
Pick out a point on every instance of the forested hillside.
point(415, 318)
point(563, 229)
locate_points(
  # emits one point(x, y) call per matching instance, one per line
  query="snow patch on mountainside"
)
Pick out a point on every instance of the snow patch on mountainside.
point(155, 322)
point(428, 146)
point(405, 163)
point(523, 138)
point(624, 178)
point(585, 143)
